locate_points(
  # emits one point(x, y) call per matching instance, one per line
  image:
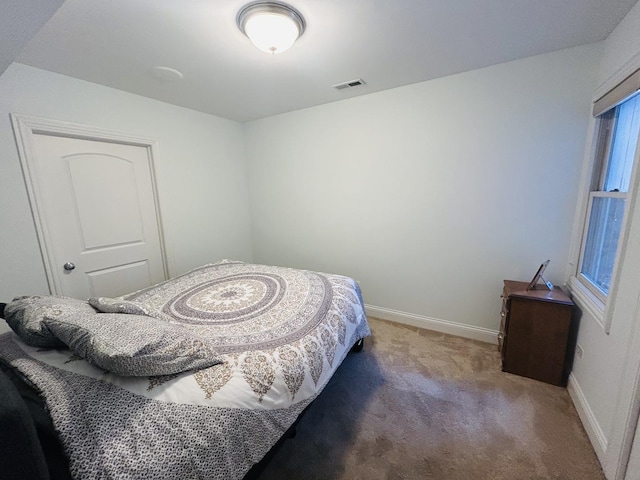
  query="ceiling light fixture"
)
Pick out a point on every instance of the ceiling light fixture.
point(272, 27)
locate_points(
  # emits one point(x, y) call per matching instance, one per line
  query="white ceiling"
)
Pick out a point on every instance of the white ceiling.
point(388, 43)
point(20, 20)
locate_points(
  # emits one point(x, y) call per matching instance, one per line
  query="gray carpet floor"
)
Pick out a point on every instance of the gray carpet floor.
point(417, 404)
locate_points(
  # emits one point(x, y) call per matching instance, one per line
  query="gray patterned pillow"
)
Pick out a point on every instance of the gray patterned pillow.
point(114, 305)
point(25, 315)
point(133, 345)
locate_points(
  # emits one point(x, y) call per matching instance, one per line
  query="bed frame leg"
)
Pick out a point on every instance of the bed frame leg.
point(358, 346)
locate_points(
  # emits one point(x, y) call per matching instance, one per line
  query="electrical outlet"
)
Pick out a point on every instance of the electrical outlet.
point(579, 351)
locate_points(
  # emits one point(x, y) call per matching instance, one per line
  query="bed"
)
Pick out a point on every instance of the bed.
point(256, 344)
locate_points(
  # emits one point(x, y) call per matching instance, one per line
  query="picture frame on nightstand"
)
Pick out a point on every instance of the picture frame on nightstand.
point(538, 276)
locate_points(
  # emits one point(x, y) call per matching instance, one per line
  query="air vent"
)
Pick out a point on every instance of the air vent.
point(351, 83)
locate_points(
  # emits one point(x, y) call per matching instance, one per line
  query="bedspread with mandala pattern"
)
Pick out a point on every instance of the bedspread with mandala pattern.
point(281, 332)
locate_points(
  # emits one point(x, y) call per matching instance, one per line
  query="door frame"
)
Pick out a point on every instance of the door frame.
point(24, 129)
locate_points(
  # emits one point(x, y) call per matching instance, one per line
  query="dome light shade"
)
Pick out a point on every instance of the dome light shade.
point(271, 26)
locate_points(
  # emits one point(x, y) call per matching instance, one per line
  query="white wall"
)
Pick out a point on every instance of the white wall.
point(201, 172)
point(621, 45)
point(430, 194)
point(602, 382)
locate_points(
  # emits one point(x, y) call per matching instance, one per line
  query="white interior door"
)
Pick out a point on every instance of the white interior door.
point(98, 215)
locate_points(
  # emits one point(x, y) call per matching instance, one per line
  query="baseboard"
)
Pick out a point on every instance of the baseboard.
point(589, 421)
point(459, 329)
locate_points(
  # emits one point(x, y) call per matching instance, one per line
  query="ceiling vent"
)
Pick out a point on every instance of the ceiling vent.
point(351, 83)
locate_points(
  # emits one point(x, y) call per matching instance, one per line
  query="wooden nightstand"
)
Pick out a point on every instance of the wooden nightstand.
point(534, 332)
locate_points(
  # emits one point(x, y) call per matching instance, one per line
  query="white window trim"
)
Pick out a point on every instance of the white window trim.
point(602, 297)
point(602, 312)
point(587, 300)
point(581, 294)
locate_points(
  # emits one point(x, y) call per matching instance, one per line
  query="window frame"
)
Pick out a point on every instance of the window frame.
point(606, 125)
point(593, 288)
point(590, 296)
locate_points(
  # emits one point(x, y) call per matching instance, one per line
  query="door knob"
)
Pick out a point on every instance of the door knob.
point(69, 266)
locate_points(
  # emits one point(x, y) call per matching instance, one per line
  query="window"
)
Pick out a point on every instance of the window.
point(619, 128)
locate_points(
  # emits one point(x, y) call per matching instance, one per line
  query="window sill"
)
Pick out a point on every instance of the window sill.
point(587, 301)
